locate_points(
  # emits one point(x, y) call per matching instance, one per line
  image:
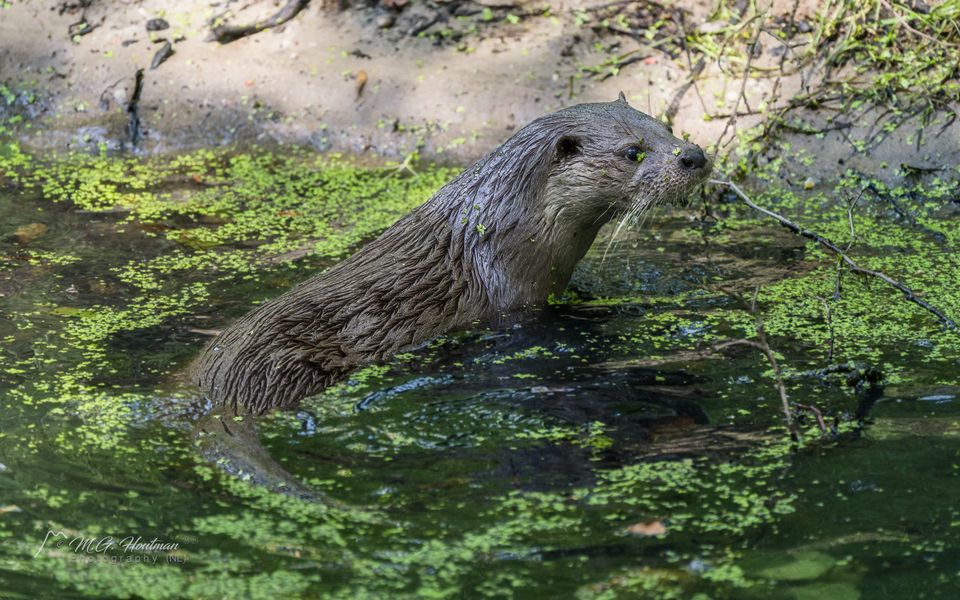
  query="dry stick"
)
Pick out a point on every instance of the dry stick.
point(626, 62)
point(424, 25)
point(775, 92)
point(906, 25)
point(608, 5)
point(777, 375)
point(674, 106)
point(678, 19)
point(763, 345)
point(838, 286)
point(134, 128)
point(689, 355)
point(726, 41)
point(230, 33)
point(732, 121)
point(908, 293)
point(816, 413)
point(829, 319)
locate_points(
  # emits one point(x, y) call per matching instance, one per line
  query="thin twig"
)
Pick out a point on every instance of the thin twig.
point(908, 293)
point(682, 356)
point(828, 316)
point(625, 62)
point(838, 285)
point(674, 106)
point(679, 20)
point(906, 25)
point(424, 25)
point(816, 413)
point(230, 33)
point(777, 373)
point(763, 346)
point(732, 121)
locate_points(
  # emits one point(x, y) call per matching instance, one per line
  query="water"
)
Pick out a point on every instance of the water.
point(594, 451)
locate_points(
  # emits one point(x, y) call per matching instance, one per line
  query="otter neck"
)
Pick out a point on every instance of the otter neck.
point(522, 249)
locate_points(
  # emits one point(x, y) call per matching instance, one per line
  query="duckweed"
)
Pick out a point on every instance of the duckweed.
point(503, 464)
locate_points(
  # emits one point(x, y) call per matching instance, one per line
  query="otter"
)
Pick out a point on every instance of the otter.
point(497, 240)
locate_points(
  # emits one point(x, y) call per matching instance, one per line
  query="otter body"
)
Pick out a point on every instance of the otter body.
point(499, 238)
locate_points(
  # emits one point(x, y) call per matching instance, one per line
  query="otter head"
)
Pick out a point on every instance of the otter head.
point(531, 209)
point(614, 162)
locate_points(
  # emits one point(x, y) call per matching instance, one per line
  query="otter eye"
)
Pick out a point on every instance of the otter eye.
point(633, 154)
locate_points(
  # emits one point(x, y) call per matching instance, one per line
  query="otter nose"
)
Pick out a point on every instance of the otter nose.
point(692, 157)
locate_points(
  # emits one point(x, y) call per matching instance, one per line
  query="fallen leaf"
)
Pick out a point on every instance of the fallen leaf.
point(361, 81)
point(647, 528)
point(27, 233)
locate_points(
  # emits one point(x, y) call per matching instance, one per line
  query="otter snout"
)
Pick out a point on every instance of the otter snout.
point(692, 157)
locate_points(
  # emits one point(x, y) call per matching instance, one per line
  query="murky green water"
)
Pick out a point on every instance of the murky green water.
point(592, 452)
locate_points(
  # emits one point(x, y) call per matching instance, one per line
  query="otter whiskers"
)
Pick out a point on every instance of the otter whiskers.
point(634, 215)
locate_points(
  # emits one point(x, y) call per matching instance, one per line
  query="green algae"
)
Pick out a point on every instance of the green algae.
point(86, 388)
point(905, 232)
point(319, 207)
point(484, 486)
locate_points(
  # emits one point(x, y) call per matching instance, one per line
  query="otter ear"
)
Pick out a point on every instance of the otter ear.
point(568, 146)
point(622, 99)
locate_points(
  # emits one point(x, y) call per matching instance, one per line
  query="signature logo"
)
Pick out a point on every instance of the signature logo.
point(91, 545)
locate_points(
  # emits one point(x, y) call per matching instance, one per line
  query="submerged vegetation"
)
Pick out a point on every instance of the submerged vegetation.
point(620, 445)
point(93, 345)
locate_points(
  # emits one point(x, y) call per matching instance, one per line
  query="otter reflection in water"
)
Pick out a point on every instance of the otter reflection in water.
point(498, 239)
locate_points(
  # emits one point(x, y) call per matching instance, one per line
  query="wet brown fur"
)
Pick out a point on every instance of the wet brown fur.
point(500, 237)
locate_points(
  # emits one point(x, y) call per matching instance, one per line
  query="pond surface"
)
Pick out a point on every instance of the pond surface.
point(597, 450)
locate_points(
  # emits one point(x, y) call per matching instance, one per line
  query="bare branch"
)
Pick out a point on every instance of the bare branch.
point(908, 293)
point(231, 33)
point(763, 346)
point(828, 316)
point(816, 413)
